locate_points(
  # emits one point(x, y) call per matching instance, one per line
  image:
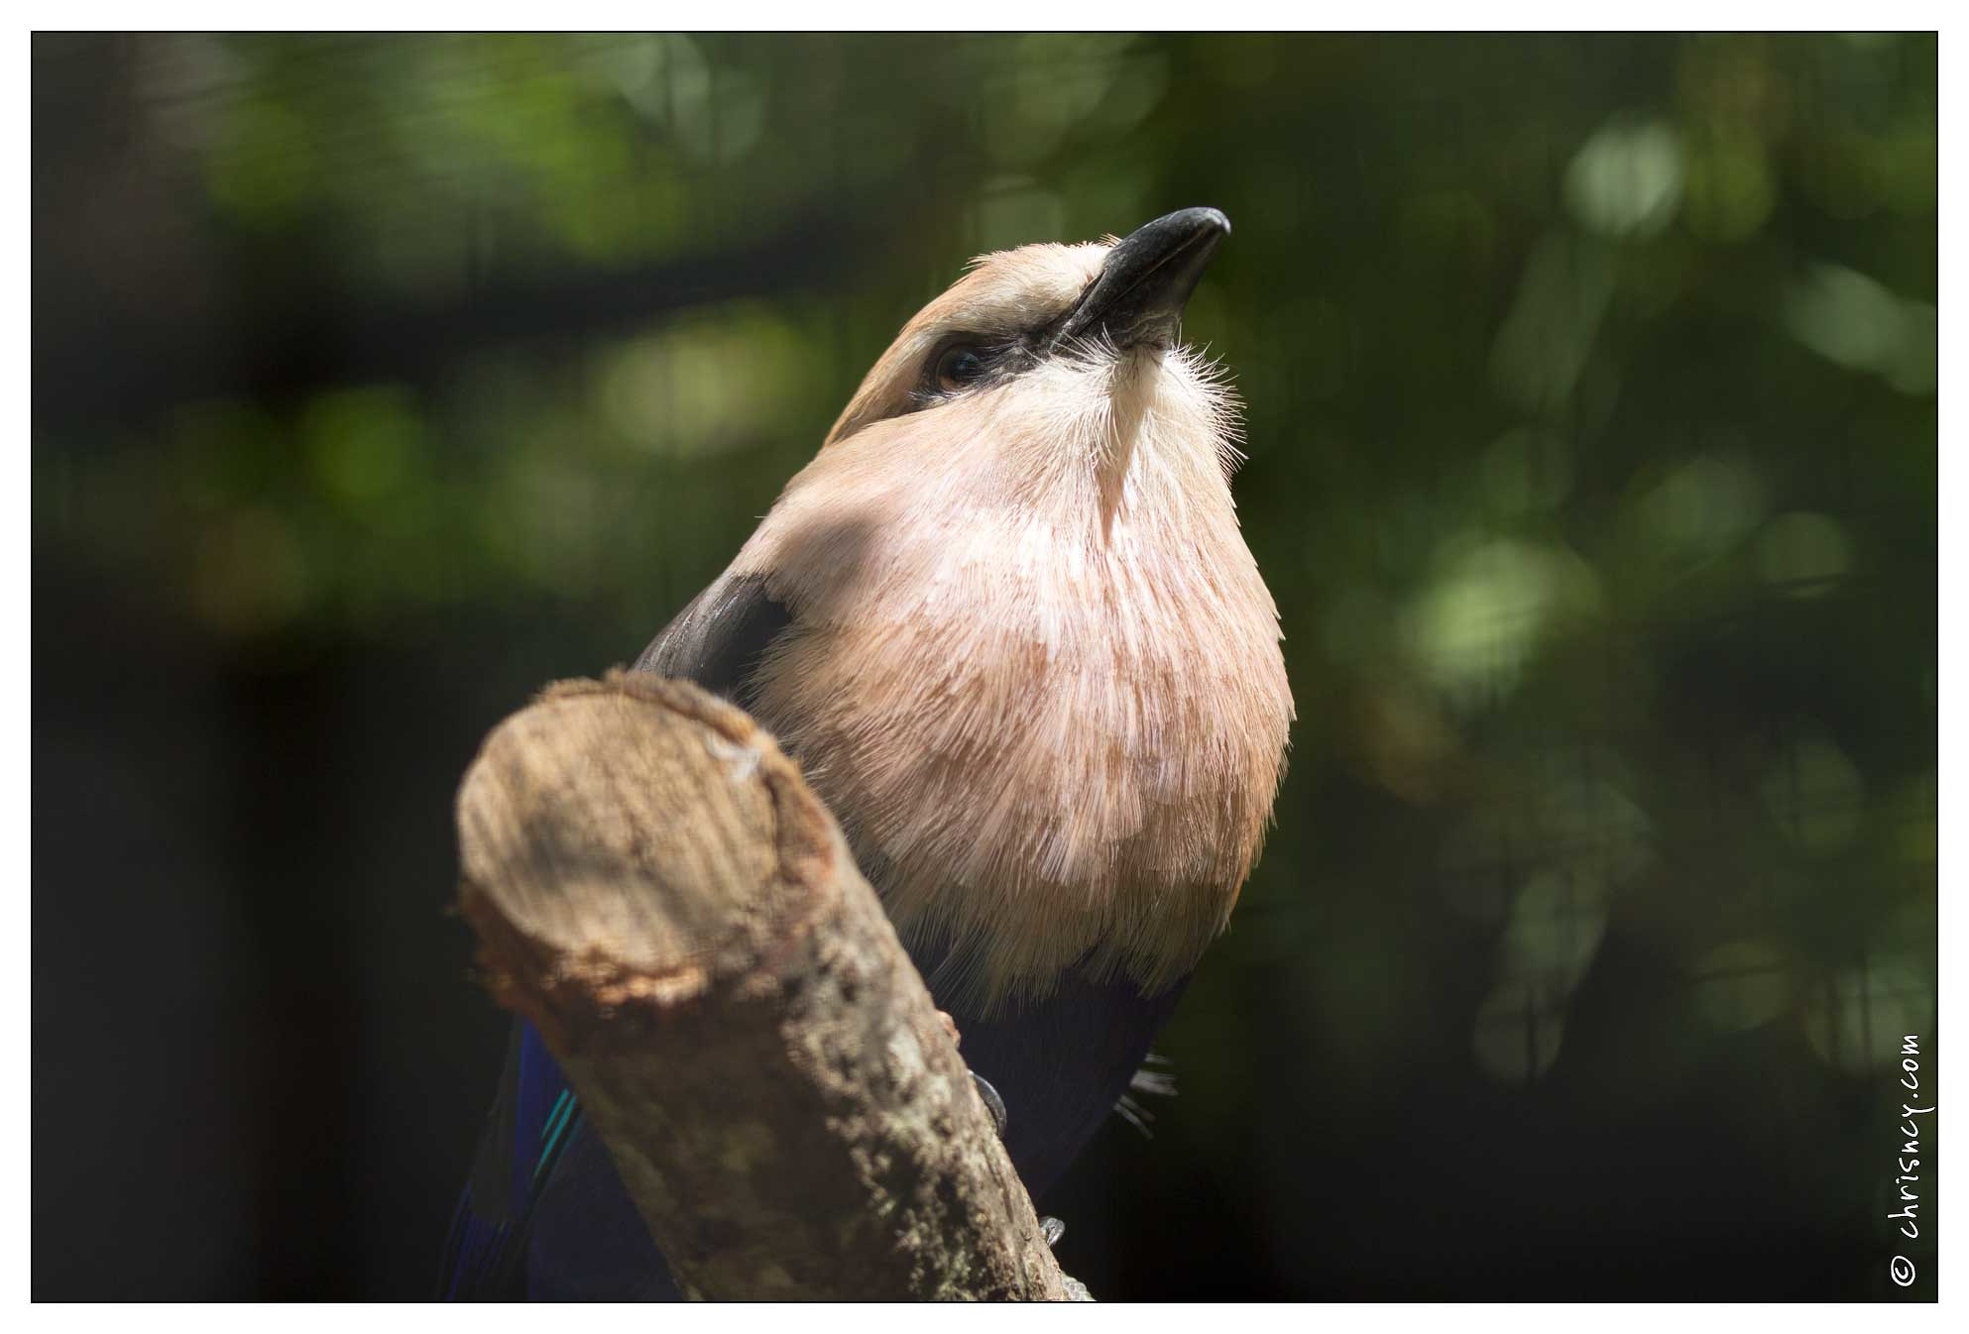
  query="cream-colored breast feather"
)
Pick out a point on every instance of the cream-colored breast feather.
point(1034, 668)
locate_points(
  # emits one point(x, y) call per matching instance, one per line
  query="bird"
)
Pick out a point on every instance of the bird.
point(1007, 623)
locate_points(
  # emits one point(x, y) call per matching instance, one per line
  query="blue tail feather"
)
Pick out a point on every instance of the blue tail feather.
point(534, 1117)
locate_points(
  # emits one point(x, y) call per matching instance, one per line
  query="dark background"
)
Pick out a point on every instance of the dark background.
point(1591, 388)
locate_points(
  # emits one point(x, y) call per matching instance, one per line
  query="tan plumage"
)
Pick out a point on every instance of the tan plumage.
point(1033, 665)
point(1007, 625)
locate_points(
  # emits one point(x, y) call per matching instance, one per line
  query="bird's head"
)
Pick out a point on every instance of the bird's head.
point(1050, 357)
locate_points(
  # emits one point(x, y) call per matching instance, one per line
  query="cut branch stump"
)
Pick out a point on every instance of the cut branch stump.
point(655, 886)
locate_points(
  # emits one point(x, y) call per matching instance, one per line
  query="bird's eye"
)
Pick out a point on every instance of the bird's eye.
point(960, 365)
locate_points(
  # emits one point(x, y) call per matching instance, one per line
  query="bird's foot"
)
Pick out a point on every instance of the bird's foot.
point(1051, 1230)
point(993, 1103)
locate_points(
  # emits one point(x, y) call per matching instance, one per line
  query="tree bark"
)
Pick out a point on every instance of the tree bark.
point(655, 887)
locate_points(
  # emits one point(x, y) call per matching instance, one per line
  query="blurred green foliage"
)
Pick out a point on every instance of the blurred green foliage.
point(1591, 388)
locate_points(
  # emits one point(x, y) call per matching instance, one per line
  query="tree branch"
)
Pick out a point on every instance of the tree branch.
point(655, 887)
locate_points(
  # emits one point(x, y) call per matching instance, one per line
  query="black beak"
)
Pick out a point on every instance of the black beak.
point(1149, 274)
